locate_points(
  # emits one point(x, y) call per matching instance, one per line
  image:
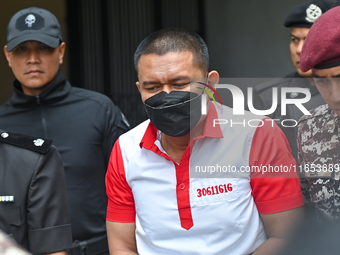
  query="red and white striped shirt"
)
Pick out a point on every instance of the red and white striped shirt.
point(176, 211)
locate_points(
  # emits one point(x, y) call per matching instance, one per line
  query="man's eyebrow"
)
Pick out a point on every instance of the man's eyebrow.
point(145, 83)
point(297, 37)
point(178, 78)
point(335, 76)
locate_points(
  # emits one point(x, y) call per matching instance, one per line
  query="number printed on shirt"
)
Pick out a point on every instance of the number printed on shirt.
point(215, 190)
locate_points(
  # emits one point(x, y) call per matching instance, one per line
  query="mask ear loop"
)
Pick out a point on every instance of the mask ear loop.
point(211, 88)
point(204, 83)
point(206, 80)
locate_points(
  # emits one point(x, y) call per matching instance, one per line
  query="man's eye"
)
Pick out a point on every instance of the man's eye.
point(322, 81)
point(151, 88)
point(20, 48)
point(44, 47)
point(294, 40)
point(180, 85)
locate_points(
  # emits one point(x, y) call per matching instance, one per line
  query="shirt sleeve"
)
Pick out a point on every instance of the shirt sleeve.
point(275, 184)
point(310, 211)
point(49, 228)
point(114, 125)
point(121, 205)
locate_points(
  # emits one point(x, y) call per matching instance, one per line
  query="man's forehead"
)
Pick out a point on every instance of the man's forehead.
point(299, 30)
point(32, 41)
point(328, 72)
point(170, 54)
point(153, 60)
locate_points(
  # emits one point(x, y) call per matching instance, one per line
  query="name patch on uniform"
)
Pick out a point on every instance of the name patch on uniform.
point(213, 190)
point(6, 198)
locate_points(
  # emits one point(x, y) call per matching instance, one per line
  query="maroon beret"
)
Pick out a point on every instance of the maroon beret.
point(321, 49)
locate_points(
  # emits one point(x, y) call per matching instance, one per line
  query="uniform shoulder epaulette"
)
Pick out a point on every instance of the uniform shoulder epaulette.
point(268, 85)
point(32, 143)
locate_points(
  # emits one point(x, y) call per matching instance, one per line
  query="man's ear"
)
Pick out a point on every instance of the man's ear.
point(7, 55)
point(213, 78)
point(61, 49)
point(138, 86)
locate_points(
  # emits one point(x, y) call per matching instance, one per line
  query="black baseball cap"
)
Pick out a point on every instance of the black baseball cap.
point(33, 24)
point(305, 14)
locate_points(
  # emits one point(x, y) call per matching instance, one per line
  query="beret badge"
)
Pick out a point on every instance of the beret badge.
point(313, 12)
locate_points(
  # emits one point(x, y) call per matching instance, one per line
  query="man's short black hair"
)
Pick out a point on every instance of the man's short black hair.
point(174, 40)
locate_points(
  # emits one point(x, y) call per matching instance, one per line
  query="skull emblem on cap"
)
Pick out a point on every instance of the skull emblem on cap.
point(30, 19)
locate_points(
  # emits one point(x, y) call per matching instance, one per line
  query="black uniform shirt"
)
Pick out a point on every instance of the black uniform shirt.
point(83, 125)
point(4, 227)
point(33, 193)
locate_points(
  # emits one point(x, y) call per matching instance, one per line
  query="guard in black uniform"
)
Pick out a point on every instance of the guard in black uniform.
point(33, 193)
point(83, 124)
point(299, 20)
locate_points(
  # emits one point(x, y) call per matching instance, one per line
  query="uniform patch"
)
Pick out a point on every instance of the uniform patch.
point(33, 21)
point(205, 191)
point(294, 94)
point(313, 12)
point(4, 135)
point(28, 142)
point(38, 142)
point(30, 20)
point(6, 198)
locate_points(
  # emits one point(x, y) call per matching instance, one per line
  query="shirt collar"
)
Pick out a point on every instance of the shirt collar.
point(209, 129)
point(59, 89)
point(149, 137)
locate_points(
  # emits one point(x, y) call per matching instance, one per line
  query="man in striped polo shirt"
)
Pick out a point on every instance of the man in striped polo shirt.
point(161, 198)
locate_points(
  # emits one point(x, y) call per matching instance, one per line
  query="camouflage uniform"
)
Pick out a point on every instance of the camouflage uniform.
point(319, 144)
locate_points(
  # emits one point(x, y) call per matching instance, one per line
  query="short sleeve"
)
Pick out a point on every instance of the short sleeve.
point(121, 205)
point(49, 228)
point(275, 186)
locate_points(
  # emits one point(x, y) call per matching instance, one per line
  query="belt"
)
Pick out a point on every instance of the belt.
point(97, 245)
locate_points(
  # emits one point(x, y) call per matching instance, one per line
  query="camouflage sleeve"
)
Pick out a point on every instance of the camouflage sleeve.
point(310, 213)
point(303, 181)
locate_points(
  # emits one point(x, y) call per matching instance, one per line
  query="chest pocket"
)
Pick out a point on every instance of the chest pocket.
point(204, 191)
point(12, 213)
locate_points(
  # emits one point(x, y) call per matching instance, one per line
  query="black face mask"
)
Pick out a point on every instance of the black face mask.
point(176, 113)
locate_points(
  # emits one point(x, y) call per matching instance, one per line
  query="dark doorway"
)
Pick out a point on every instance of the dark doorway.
point(103, 36)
